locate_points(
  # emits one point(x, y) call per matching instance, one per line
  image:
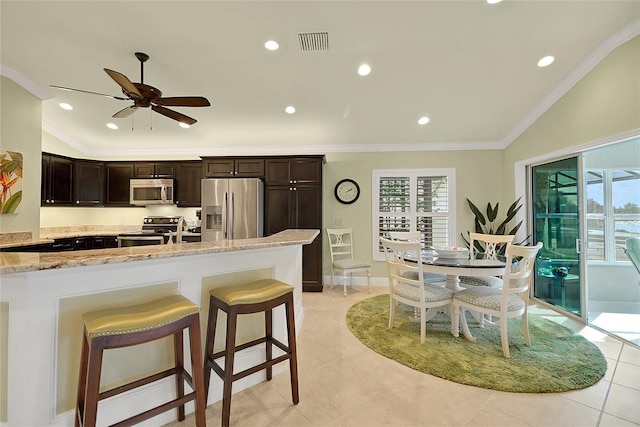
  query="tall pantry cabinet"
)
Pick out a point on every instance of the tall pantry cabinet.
point(293, 199)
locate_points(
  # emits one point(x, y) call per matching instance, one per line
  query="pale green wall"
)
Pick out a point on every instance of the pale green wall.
point(604, 103)
point(21, 130)
point(478, 177)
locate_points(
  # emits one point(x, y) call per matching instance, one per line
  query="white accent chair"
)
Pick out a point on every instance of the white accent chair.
point(489, 245)
point(511, 300)
point(342, 260)
point(414, 292)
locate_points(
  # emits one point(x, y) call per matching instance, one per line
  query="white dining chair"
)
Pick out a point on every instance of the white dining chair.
point(407, 286)
point(489, 246)
point(508, 301)
point(415, 237)
point(342, 259)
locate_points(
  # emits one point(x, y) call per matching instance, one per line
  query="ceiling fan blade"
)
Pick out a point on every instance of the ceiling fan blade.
point(173, 115)
point(182, 101)
point(124, 82)
point(125, 112)
point(86, 91)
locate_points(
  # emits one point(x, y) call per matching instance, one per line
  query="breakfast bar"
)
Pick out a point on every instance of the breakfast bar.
point(43, 296)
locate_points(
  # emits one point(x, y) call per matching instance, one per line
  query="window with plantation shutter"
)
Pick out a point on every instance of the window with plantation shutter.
point(414, 200)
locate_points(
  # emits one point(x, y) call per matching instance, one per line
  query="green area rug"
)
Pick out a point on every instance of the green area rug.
point(558, 359)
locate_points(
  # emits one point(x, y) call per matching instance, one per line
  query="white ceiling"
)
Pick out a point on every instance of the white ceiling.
point(469, 66)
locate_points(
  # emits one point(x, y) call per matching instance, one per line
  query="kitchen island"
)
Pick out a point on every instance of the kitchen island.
point(43, 296)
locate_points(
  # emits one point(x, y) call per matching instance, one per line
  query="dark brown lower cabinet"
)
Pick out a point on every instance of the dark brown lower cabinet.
point(298, 207)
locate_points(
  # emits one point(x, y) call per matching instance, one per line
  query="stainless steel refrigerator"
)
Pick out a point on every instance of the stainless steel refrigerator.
point(232, 209)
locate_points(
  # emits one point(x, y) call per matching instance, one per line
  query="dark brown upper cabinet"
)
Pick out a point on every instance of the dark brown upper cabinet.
point(89, 183)
point(56, 181)
point(117, 176)
point(294, 171)
point(230, 167)
point(154, 170)
point(188, 187)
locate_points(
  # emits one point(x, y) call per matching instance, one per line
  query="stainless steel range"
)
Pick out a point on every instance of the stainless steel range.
point(156, 230)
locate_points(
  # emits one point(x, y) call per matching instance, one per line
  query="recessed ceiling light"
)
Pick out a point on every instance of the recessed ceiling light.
point(290, 109)
point(112, 126)
point(493, 1)
point(271, 45)
point(184, 125)
point(547, 60)
point(65, 106)
point(364, 70)
point(423, 120)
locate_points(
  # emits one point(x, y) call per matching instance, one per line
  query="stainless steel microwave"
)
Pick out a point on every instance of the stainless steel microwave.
point(143, 192)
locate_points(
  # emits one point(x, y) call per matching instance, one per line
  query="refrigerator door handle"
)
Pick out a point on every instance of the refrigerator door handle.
point(232, 216)
point(225, 214)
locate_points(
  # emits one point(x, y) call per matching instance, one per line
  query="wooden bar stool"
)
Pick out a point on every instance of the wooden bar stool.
point(262, 295)
point(128, 326)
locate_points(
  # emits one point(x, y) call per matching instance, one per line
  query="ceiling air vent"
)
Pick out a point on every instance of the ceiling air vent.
point(313, 41)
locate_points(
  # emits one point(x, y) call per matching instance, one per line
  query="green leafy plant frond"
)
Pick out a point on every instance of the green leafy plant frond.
point(487, 225)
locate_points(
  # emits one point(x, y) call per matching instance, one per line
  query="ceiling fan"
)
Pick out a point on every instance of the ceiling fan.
point(144, 96)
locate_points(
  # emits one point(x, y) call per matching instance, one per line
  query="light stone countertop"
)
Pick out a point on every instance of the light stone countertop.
point(21, 262)
point(12, 240)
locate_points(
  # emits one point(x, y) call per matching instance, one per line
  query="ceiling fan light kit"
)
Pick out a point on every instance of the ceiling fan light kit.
point(145, 96)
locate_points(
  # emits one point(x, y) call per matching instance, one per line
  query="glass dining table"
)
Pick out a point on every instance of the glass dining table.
point(453, 268)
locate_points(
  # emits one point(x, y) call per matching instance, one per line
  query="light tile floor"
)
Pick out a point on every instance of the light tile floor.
point(343, 383)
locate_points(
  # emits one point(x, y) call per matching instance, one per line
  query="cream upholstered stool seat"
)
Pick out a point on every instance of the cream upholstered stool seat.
point(259, 296)
point(127, 326)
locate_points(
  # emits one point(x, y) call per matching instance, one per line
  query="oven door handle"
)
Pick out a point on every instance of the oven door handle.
point(160, 239)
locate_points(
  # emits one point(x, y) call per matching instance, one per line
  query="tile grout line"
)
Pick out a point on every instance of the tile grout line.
point(606, 395)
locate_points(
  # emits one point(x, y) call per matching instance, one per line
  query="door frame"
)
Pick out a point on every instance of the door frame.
point(523, 187)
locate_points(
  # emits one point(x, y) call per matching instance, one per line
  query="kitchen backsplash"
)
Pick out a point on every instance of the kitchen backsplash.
point(74, 216)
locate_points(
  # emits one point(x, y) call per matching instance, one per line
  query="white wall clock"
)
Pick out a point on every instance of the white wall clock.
point(347, 191)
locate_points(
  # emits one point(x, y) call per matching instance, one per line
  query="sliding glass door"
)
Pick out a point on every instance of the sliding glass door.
point(556, 223)
point(612, 187)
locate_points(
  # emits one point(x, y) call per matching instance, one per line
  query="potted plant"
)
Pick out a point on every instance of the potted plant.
point(490, 224)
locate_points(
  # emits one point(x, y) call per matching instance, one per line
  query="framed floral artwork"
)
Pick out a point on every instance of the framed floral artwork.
point(10, 182)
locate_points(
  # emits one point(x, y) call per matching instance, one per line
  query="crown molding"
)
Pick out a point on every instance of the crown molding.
point(71, 142)
point(25, 82)
point(605, 48)
point(280, 150)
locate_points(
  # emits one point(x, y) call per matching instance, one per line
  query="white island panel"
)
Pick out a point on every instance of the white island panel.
point(45, 328)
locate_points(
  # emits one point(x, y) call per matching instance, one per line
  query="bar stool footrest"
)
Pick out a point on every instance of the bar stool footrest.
point(156, 411)
point(134, 384)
